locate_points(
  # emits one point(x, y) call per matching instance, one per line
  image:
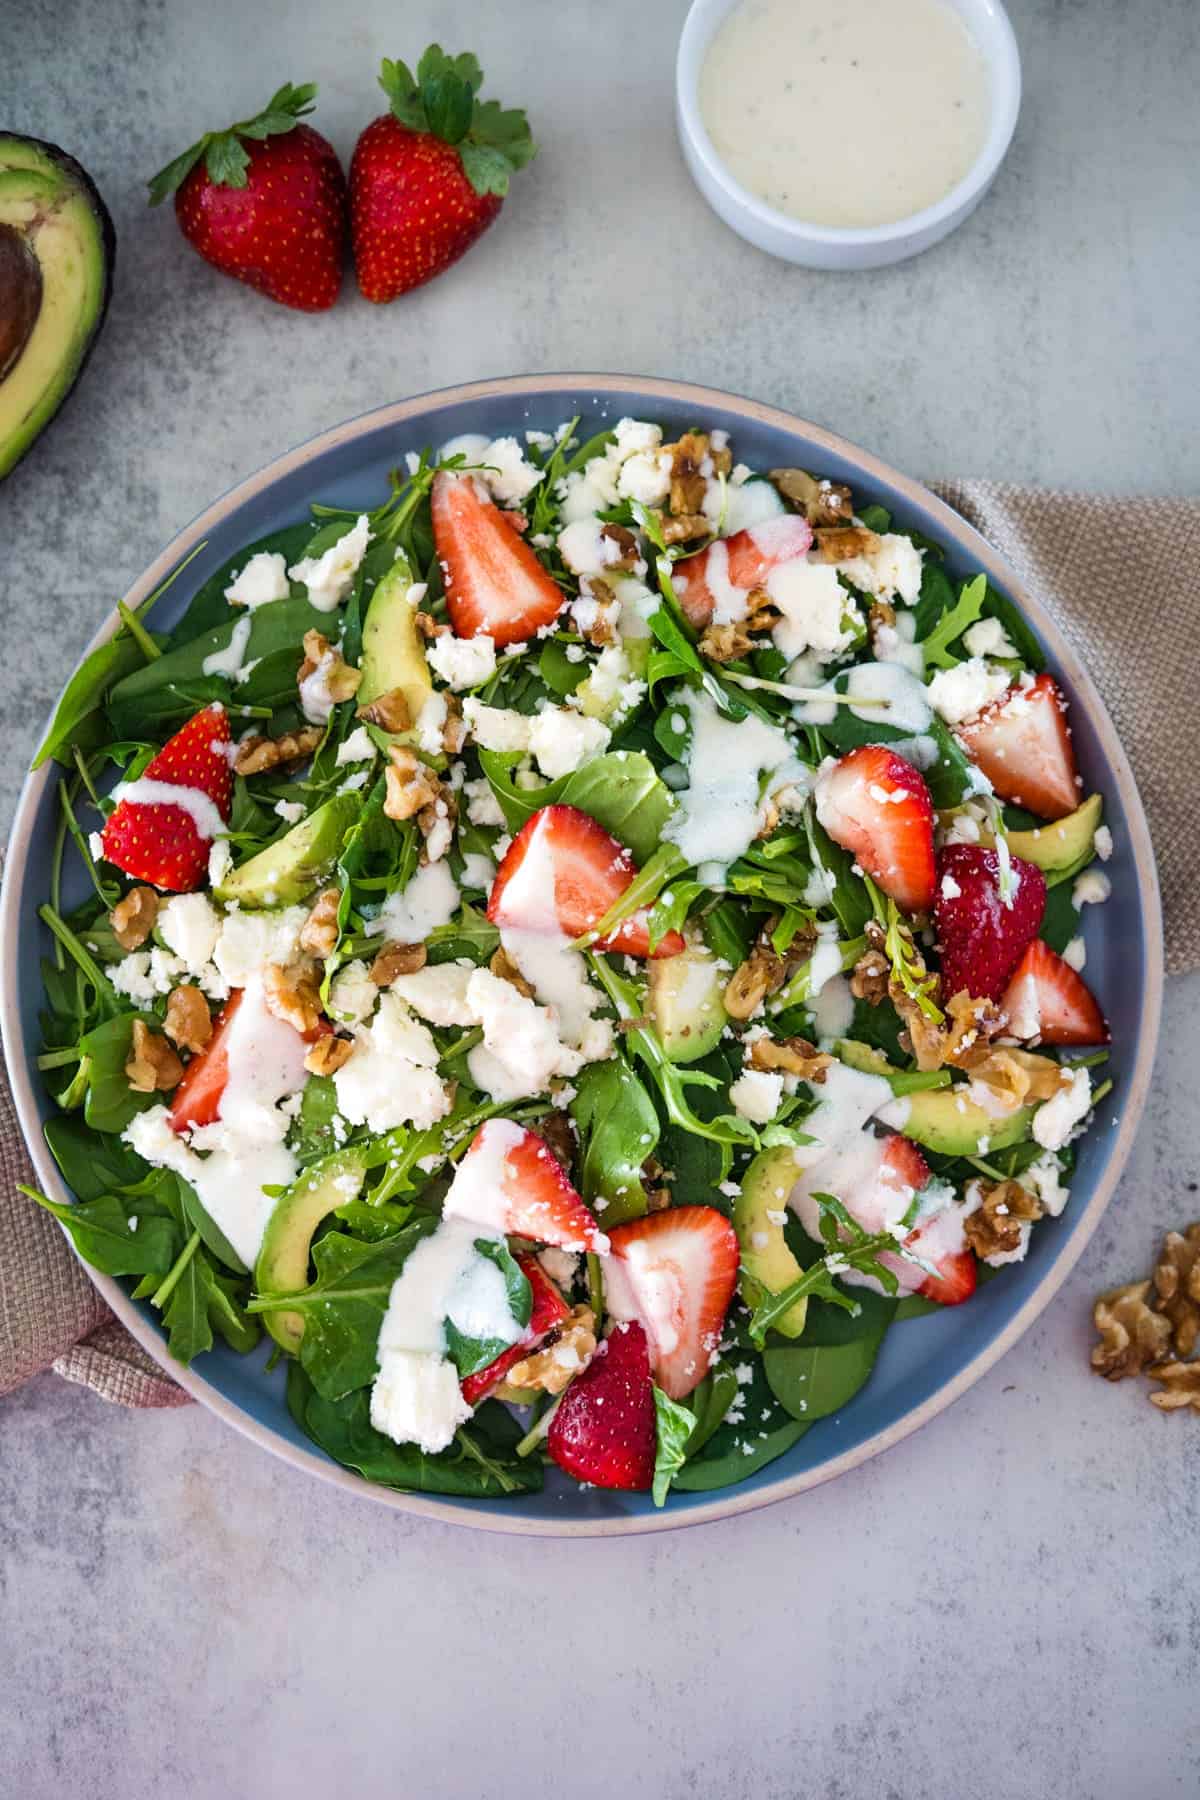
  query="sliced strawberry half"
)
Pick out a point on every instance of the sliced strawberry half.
point(957, 1274)
point(563, 870)
point(197, 1099)
point(742, 561)
point(523, 1188)
point(164, 843)
point(1022, 742)
point(877, 806)
point(938, 1239)
point(548, 1310)
point(675, 1271)
point(604, 1430)
point(494, 581)
point(982, 940)
point(1048, 1000)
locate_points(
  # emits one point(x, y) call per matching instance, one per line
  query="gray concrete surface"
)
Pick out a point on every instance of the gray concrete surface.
point(1005, 1607)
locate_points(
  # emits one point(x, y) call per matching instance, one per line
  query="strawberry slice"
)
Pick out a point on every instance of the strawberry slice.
point(516, 1177)
point(742, 561)
point(877, 806)
point(564, 870)
point(981, 939)
point(938, 1238)
point(1022, 742)
point(675, 1271)
point(956, 1278)
point(168, 844)
point(494, 581)
point(604, 1430)
point(197, 1099)
point(549, 1309)
point(1048, 1001)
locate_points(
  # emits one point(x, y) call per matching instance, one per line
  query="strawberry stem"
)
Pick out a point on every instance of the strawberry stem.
point(225, 159)
point(441, 100)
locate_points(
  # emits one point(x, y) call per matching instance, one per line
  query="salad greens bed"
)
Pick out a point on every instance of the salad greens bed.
point(650, 1120)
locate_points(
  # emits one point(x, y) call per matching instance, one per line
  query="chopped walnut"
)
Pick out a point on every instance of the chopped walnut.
point(726, 643)
point(153, 1066)
point(763, 972)
point(872, 972)
point(319, 932)
point(188, 1023)
point(971, 1026)
point(390, 711)
point(505, 969)
point(564, 1352)
point(410, 784)
point(292, 992)
point(821, 502)
point(688, 484)
point(429, 627)
point(132, 919)
point(994, 1228)
point(328, 1054)
point(626, 545)
point(556, 1130)
point(682, 528)
point(1017, 1077)
point(1177, 1284)
point(838, 543)
point(794, 1056)
point(437, 822)
point(1132, 1335)
point(395, 960)
point(658, 1194)
point(1180, 1385)
point(454, 727)
point(881, 613)
point(341, 681)
point(257, 754)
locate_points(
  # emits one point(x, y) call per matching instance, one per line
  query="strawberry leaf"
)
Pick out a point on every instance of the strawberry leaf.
point(175, 173)
point(448, 101)
point(225, 161)
point(506, 129)
point(488, 170)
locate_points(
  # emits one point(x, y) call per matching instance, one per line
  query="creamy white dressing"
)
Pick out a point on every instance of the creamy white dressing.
point(720, 810)
point(852, 115)
point(229, 661)
point(199, 808)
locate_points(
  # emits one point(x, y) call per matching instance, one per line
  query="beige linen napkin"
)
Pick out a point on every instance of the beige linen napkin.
point(1118, 577)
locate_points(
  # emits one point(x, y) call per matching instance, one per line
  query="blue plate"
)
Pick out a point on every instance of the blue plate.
point(924, 1364)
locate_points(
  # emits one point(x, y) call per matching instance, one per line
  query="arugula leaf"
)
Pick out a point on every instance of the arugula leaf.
point(674, 1425)
point(618, 1129)
point(953, 623)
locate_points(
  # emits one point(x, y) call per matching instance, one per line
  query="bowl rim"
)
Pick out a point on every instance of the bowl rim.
point(732, 1502)
point(997, 44)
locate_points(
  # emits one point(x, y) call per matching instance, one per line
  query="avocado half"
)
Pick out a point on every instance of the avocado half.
point(56, 258)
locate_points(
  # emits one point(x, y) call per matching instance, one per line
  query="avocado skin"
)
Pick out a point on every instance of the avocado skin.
point(768, 1268)
point(17, 438)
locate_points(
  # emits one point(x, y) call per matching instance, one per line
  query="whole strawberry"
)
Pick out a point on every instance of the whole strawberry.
point(265, 202)
point(429, 177)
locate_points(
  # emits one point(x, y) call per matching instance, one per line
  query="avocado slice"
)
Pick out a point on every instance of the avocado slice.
point(943, 1119)
point(289, 870)
point(1065, 844)
point(604, 700)
point(56, 258)
point(767, 1265)
point(685, 1001)
point(393, 655)
point(282, 1266)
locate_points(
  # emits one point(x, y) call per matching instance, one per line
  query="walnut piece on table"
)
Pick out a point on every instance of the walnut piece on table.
point(1132, 1334)
point(1180, 1385)
point(153, 1066)
point(188, 1023)
point(1177, 1285)
point(132, 919)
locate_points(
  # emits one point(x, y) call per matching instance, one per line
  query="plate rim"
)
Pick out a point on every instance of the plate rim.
point(732, 1502)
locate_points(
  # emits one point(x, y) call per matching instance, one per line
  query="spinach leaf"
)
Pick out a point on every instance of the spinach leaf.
point(469, 1354)
point(674, 1425)
point(343, 1307)
point(185, 1307)
point(115, 1235)
point(91, 1165)
point(1060, 921)
point(618, 1128)
point(709, 1403)
point(314, 1134)
point(111, 1103)
point(208, 606)
point(758, 1431)
point(811, 1381)
point(560, 674)
point(620, 790)
point(481, 1463)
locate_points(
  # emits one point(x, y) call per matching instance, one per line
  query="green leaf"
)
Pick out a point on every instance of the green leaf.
point(175, 173)
point(91, 1165)
point(481, 1463)
point(115, 1235)
point(709, 1404)
point(618, 1128)
point(812, 1381)
point(953, 623)
point(469, 1354)
point(674, 1425)
point(185, 1316)
point(507, 129)
point(620, 790)
point(226, 162)
point(111, 1103)
point(487, 169)
point(758, 1431)
point(449, 102)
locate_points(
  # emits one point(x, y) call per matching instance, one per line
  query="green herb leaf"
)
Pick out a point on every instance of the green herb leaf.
point(619, 1129)
point(952, 624)
point(487, 169)
point(674, 1425)
point(469, 1354)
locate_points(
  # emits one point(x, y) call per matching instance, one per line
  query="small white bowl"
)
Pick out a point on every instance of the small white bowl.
point(836, 247)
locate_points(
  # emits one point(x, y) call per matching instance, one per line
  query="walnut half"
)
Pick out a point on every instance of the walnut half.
point(319, 932)
point(132, 919)
point(411, 785)
point(793, 1056)
point(1132, 1335)
point(188, 1022)
point(1177, 1284)
point(153, 1066)
point(395, 960)
point(1180, 1385)
point(292, 992)
point(994, 1228)
point(256, 754)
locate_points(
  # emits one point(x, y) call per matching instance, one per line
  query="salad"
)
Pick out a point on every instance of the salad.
point(573, 956)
